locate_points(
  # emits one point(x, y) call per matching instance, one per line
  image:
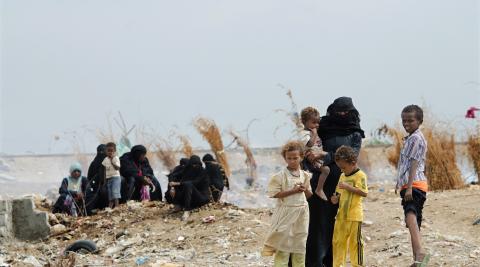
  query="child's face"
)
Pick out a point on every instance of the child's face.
point(345, 166)
point(312, 123)
point(111, 151)
point(410, 122)
point(293, 159)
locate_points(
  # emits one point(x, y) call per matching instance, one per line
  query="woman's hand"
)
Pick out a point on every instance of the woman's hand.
point(310, 156)
point(322, 154)
point(172, 191)
point(147, 180)
point(174, 184)
point(334, 199)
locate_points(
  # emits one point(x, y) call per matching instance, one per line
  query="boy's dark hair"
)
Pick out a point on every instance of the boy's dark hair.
point(293, 146)
point(346, 153)
point(414, 108)
point(309, 113)
point(111, 144)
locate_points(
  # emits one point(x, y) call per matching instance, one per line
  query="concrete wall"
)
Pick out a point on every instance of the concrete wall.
point(6, 219)
point(19, 219)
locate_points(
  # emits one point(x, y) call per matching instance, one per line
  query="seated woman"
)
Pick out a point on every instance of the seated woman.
point(216, 174)
point(192, 191)
point(72, 192)
point(175, 176)
point(137, 172)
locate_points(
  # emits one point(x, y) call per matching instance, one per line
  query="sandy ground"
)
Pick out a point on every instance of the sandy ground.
point(150, 233)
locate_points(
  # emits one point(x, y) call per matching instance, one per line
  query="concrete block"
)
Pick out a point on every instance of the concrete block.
point(5, 219)
point(28, 223)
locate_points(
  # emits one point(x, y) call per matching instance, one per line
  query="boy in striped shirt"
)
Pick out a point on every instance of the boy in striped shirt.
point(411, 180)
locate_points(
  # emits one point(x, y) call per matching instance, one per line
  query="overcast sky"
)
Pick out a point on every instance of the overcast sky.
point(66, 65)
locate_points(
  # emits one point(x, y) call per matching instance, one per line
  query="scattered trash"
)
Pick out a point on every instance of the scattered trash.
point(477, 222)
point(33, 261)
point(141, 260)
point(367, 223)
point(113, 250)
point(209, 219)
point(181, 238)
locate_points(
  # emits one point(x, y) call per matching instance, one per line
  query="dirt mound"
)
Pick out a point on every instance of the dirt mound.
point(148, 234)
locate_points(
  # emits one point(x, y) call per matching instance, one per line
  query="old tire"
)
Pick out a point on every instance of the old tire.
point(82, 245)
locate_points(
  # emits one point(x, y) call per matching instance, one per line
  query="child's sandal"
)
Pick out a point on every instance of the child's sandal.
point(422, 263)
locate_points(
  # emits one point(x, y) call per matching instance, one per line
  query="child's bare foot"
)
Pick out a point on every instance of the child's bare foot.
point(321, 194)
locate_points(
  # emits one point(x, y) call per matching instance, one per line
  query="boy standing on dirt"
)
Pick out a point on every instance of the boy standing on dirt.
point(351, 189)
point(411, 179)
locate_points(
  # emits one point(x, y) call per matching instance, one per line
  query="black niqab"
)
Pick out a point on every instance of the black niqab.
point(96, 164)
point(334, 124)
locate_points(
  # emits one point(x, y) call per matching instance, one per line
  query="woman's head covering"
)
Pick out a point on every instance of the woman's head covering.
point(334, 124)
point(343, 103)
point(75, 167)
point(194, 168)
point(96, 164)
point(208, 157)
point(101, 149)
point(137, 151)
point(183, 161)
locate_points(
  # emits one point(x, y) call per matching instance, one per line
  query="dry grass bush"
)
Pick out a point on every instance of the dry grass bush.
point(250, 160)
point(105, 135)
point(187, 148)
point(147, 138)
point(441, 165)
point(393, 153)
point(364, 161)
point(473, 148)
point(166, 154)
point(210, 132)
point(293, 115)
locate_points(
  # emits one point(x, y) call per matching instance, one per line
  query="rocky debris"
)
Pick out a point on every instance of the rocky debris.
point(147, 234)
point(58, 229)
point(31, 260)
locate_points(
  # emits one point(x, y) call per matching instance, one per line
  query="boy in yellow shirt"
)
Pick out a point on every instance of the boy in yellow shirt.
point(351, 189)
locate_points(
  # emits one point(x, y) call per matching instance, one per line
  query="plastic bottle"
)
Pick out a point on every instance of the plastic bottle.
point(74, 210)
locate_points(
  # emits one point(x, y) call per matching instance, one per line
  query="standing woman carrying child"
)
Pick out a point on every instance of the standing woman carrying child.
point(341, 126)
point(291, 188)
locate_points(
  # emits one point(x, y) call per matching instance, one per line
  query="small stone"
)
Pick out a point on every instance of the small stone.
point(33, 261)
point(52, 219)
point(113, 250)
point(367, 223)
point(58, 229)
